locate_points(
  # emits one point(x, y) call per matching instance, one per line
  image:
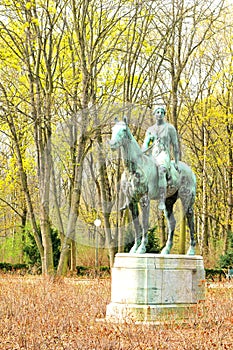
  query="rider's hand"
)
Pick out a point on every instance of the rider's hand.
point(177, 167)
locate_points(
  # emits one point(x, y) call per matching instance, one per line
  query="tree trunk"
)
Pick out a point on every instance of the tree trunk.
point(230, 186)
point(44, 181)
point(205, 233)
point(24, 183)
point(74, 209)
point(182, 233)
point(106, 203)
point(73, 257)
point(163, 229)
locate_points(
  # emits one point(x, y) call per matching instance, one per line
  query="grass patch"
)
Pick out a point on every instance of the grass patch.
point(38, 313)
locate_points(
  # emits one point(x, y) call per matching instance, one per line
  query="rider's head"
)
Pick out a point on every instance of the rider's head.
point(159, 112)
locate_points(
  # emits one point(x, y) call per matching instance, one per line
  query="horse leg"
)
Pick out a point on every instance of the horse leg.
point(145, 206)
point(133, 206)
point(171, 222)
point(190, 220)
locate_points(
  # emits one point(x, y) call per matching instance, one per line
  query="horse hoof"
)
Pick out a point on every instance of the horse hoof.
point(141, 249)
point(165, 251)
point(134, 249)
point(191, 251)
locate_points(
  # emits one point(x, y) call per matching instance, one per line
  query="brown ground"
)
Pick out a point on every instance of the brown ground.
point(37, 313)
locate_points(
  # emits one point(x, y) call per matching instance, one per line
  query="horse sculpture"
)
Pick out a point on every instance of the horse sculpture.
point(139, 183)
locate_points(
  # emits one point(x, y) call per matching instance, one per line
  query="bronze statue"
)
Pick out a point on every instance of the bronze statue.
point(141, 183)
point(159, 139)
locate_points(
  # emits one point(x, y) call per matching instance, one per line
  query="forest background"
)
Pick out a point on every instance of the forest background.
point(67, 69)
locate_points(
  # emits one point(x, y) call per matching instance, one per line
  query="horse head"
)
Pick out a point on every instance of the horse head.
point(120, 134)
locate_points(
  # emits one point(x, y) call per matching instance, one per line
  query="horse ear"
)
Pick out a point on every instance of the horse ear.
point(125, 119)
point(116, 119)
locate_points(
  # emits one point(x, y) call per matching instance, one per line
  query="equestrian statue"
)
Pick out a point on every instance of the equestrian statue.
point(150, 174)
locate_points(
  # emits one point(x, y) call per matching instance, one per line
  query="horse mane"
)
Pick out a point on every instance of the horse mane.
point(132, 138)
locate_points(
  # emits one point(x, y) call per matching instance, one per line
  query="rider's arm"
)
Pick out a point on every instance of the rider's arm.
point(147, 141)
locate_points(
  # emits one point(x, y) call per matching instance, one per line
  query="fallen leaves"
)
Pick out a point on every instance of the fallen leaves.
point(39, 314)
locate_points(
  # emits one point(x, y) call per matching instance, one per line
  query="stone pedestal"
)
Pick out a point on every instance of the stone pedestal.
point(148, 287)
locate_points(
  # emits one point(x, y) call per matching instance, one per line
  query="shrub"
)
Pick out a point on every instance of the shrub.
point(32, 253)
point(226, 260)
point(153, 245)
point(7, 267)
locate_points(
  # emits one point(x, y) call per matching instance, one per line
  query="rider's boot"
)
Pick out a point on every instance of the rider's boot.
point(162, 197)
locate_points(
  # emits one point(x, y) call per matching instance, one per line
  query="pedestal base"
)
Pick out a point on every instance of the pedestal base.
point(148, 287)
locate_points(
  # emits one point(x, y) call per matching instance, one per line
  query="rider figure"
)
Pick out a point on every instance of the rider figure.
point(159, 138)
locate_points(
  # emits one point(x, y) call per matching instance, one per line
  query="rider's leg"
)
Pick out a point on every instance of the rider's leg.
point(162, 187)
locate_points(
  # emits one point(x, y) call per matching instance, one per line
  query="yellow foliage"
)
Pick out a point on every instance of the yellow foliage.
point(52, 9)
point(35, 21)
point(28, 5)
point(26, 25)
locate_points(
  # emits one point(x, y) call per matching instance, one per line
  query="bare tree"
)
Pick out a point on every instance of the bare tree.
point(37, 48)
